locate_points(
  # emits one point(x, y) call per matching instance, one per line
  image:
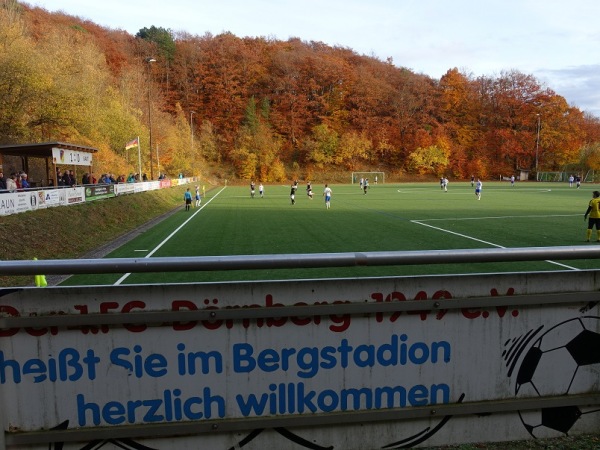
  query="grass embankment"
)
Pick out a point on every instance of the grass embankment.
point(71, 232)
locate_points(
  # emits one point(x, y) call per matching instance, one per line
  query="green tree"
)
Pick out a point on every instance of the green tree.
point(250, 117)
point(162, 37)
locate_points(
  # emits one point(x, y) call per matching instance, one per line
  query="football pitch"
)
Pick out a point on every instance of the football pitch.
point(390, 217)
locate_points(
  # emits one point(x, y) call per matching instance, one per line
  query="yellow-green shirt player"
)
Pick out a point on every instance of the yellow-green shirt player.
point(594, 213)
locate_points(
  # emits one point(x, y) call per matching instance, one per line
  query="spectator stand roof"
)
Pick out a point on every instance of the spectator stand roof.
point(43, 150)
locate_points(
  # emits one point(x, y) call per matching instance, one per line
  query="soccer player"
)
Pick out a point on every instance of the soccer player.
point(309, 191)
point(478, 188)
point(252, 185)
point(293, 193)
point(594, 213)
point(327, 195)
point(187, 198)
point(261, 190)
point(198, 201)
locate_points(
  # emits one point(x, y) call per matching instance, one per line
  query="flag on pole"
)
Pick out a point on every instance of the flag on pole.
point(131, 144)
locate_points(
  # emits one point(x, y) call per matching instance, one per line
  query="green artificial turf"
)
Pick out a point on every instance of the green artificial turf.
point(390, 217)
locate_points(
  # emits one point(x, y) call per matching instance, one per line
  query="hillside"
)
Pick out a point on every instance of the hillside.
point(242, 108)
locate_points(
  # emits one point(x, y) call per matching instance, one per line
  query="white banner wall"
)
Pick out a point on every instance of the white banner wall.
point(329, 363)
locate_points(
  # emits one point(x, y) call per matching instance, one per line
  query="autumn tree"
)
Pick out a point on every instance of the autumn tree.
point(353, 149)
point(431, 160)
point(208, 143)
point(21, 77)
point(322, 145)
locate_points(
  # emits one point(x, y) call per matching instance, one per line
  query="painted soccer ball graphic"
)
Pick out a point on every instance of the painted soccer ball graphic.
point(564, 360)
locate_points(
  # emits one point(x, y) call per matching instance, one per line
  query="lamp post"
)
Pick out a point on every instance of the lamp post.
point(149, 61)
point(192, 130)
point(157, 162)
point(537, 142)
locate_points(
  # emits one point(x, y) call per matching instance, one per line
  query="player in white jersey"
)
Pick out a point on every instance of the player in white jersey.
point(327, 195)
point(478, 188)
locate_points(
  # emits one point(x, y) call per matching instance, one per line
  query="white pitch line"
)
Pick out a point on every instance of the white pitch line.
point(483, 242)
point(124, 277)
point(461, 191)
point(498, 217)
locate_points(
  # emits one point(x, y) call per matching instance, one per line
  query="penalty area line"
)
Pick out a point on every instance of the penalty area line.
point(484, 242)
point(124, 277)
point(543, 216)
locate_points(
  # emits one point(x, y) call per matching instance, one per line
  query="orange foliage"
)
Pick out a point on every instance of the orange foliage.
point(383, 112)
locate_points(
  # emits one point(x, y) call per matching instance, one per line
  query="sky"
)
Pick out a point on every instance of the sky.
point(556, 41)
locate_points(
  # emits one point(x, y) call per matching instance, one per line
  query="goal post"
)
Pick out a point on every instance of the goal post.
point(551, 176)
point(374, 177)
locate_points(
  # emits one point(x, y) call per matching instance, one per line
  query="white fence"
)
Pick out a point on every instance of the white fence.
point(33, 199)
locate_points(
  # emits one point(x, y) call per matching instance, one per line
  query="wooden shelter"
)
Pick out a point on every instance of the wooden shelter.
point(40, 161)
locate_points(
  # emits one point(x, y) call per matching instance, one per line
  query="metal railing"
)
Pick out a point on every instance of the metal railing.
point(289, 261)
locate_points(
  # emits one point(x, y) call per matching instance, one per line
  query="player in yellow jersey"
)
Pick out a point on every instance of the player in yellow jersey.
point(594, 213)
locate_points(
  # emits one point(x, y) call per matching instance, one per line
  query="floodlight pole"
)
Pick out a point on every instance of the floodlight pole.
point(149, 61)
point(192, 143)
point(537, 142)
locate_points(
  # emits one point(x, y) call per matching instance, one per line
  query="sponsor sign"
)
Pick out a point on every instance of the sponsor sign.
point(124, 188)
point(18, 202)
point(98, 191)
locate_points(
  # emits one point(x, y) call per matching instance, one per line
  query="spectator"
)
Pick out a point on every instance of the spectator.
point(24, 182)
point(145, 177)
point(17, 178)
point(92, 178)
point(85, 179)
point(59, 178)
point(2, 181)
point(67, 179)
point(11, 183)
